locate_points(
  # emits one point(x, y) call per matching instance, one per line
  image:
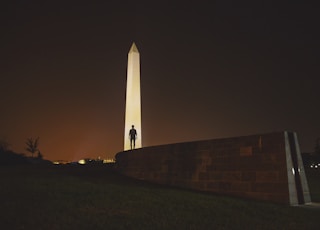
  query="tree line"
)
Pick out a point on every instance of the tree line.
point(8, 156)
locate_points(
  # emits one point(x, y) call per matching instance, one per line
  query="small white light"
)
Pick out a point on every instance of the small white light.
point(293, 171)
point(82, 161)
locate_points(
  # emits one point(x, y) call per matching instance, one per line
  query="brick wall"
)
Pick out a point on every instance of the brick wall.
point(257, 167)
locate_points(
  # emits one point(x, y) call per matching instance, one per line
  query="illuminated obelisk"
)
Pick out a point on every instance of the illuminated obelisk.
point(133, 98)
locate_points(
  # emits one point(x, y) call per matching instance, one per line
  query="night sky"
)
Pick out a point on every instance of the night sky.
point(209, 69)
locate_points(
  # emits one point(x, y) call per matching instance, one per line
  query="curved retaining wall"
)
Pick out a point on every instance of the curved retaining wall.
point(264, 167)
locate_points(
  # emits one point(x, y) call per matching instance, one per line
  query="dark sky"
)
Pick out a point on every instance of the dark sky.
point(209, 69)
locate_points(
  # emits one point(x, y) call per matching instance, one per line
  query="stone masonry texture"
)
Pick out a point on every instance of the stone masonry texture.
point(252, 167)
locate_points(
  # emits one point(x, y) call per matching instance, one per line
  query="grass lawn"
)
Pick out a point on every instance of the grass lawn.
point(82, 197)
point(313, 178)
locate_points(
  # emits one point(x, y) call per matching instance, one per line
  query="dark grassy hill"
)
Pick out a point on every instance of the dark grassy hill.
point(82, 197)
point(8, 157)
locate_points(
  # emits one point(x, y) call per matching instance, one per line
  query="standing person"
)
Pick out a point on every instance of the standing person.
point(133, 136)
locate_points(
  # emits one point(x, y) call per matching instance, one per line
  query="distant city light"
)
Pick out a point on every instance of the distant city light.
point(86, 161)
point(315, 166)
point(82, 161)
point(60, 162)
point(106, 161)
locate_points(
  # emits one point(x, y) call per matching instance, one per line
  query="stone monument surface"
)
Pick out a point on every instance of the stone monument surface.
point(133, 98)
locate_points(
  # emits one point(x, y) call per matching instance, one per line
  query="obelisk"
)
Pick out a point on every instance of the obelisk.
point(133, 98)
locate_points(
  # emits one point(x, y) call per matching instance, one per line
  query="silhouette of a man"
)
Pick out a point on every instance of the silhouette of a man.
point(133, 136)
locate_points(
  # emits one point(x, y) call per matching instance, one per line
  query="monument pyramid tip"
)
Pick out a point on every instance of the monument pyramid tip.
point(134, 48)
